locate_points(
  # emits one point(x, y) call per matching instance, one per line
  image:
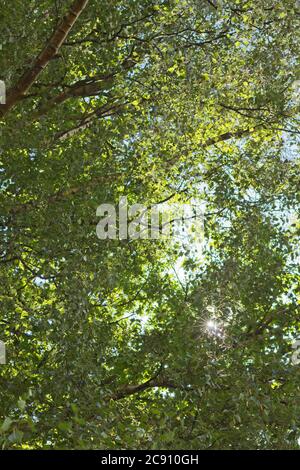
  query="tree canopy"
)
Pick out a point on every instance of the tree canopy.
point(145, 344)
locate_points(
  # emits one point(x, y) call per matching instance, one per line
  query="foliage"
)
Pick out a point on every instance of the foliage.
point(106, 347)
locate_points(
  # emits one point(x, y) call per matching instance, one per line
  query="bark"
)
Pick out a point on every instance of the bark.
point(88, 121)
point(84, 88)
point(129, 390)
point(17, 92)
point(62, 195)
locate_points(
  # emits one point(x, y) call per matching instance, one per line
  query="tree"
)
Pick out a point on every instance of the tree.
point(108, 344)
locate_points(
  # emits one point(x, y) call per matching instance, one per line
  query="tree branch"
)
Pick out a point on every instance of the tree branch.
point(16, 93)
point(153, 382)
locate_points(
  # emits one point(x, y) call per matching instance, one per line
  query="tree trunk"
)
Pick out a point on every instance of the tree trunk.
point(53, 45)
